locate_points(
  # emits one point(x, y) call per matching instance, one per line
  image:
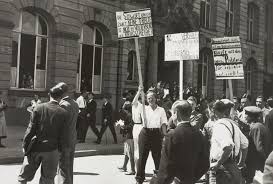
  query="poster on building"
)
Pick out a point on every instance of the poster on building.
point(134, 24)
point(227, 56)
point(182, 46)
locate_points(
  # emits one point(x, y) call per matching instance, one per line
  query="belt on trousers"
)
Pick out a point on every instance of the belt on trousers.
point(137, 123)
point(152, 129)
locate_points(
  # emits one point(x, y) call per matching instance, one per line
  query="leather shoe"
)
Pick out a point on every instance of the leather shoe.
point(130, 173)
point(122, 169)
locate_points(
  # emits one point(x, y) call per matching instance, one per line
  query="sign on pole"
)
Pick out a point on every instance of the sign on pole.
point(134, 24)
point(182, 46)
point(227, 55)
point(179, 47)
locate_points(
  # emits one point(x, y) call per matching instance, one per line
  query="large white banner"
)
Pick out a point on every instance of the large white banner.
point(227, 55)
point(182, 46)
point(136, 23)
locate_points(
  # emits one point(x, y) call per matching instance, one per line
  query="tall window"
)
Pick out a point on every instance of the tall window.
point(229, 17)
point(131, 65)
point(90, 60)
point(249, 75)
point(29, 52)
point(205, 13)
point(252, 22)
point(202, 82)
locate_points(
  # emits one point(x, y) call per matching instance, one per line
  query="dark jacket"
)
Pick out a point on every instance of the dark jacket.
point(107, 111)
point(91, 109)
point(47, 123)
point(127, 129)
point(269, 123)
point(70, 135)
point(183, 156)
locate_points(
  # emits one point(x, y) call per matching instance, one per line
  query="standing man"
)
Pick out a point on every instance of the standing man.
point(107, 111)
point(65, 172)
point(47, 127)
point(91, 110)
point(261, 104)
point(269, 118)
point(196, 119)
point(259, 143)
point(185, 161)
point(82, 121)
point(150, 137)
point(227, 141)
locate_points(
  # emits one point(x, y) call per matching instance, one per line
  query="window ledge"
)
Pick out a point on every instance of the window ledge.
point(252, 43)
point(208, 30)
point(27, 92)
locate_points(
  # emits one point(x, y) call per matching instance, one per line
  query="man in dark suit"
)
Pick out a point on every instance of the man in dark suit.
point(65, 172)
point(107, 111)
point(47, 125)
point(268, 170)
point(91, 109)
point(183, 157)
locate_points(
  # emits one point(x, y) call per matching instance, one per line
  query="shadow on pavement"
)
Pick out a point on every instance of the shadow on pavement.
point(85, 173)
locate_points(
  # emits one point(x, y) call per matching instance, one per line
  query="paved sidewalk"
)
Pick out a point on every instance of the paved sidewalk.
point(13, 151)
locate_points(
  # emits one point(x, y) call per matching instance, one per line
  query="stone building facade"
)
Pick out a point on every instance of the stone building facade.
point(43, 42)
point(251, 20)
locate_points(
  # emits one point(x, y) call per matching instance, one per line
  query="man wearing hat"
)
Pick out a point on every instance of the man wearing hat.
point(259, 143)
point(227, 141)
point(107, 111)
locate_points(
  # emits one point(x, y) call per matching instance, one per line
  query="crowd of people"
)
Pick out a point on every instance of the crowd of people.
point(220, 140)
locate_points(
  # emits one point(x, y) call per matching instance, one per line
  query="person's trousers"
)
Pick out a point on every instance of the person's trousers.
point(82, 127)
point(47, 160)
point(112, 129)
point(228, 173)
point(65, 170)
point(92, 124)
point(149, 140)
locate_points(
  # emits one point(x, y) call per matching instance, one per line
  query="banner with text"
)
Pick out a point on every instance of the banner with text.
point(227, 56)
point(136, 23)
point(182, 46)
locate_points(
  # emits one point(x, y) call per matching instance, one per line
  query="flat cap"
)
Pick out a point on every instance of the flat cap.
point(228, 103)
point(252, 110)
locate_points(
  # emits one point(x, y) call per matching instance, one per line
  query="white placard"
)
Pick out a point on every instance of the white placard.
point(227, 55)
point(182, 46)
point(136, 23)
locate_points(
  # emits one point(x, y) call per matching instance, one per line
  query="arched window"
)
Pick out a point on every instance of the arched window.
point(203, 72)
point(131, 65)
point(29, 52)
point(249, 75)
point(90, 61)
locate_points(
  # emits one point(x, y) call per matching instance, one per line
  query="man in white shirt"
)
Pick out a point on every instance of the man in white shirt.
point(82, 121)
point(150, 137)
point(227, 142)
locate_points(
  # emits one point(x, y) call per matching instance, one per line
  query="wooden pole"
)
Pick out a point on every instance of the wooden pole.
point(181, 80)
point(140, 80)
point(230, 89)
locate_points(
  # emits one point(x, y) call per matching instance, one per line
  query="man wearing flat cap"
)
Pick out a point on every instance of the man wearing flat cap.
point(259, 143)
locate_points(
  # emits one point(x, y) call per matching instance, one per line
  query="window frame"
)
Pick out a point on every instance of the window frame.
point(249, 75)
point(205, 56)
point(95, 28)
point(204, 18)
point(37, 35)
point(250, 19)
point(229, 11)
point(134, 65)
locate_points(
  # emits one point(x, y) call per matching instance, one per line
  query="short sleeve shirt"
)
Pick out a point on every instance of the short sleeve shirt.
point(155, 118)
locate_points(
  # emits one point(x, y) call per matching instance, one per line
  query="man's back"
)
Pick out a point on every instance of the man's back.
point(183, 155)
point(70, 133)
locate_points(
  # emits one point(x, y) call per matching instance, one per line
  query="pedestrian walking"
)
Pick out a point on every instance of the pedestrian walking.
point(107, 113)
point(44, 139)
point(182, 161)
point(82, 121)
point(3, 126)
point(66, 162)
point(150, 137)
point(91, 110)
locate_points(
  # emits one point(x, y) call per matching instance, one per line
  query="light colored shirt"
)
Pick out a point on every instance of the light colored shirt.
point(81, 102)
point(222, 137)
point(136, 112)
point(155, 118)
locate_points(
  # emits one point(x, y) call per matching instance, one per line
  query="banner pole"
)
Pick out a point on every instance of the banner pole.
point(230, 89)
point(181, 79)
point(140, 80)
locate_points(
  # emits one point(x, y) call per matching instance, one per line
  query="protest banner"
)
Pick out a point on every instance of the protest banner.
point(228, 62)
point(135, 24)
point(180, 47)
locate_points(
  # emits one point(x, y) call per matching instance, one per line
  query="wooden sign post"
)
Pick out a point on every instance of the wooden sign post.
point(228, 62)
point(181, 47)
point(135, 24)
